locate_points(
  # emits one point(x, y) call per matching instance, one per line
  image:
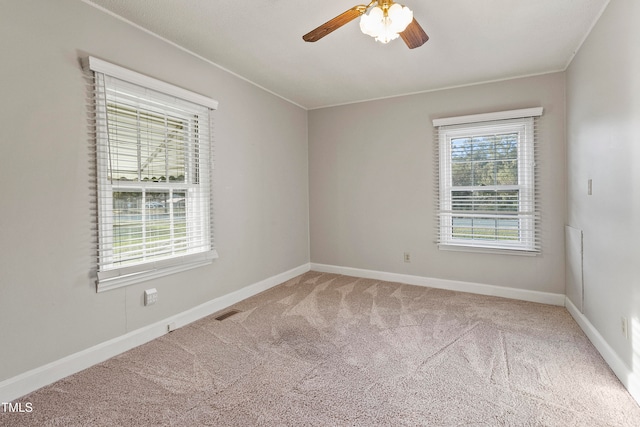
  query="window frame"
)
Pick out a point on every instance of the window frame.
point(521, 122)
point(110, 275)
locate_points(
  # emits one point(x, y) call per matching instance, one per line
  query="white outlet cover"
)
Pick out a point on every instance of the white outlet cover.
point(150, 296)
point(624, 326)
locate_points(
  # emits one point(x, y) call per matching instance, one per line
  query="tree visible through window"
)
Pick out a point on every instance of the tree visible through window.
point(484, 178)
point(487, 177)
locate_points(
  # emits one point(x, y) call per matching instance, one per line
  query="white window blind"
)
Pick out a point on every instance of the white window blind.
point(154, 163)
point(487, 176)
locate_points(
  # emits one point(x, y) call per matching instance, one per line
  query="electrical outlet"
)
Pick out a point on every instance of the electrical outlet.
point(150, 296)
point(407, 257)
point(624, 327)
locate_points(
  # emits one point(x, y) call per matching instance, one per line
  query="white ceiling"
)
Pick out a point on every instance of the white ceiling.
point(471, 41)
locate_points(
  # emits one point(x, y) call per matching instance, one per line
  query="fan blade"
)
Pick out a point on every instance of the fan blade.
point(334, 24)
point(414, 36)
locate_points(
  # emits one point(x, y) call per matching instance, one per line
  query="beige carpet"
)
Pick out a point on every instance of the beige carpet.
point(330, 350)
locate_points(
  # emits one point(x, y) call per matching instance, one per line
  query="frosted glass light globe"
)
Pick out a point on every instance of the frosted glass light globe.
point(400, 17)
point(386, 26)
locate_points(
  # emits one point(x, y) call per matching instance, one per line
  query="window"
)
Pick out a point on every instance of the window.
point(154, 169)
point(487, 197)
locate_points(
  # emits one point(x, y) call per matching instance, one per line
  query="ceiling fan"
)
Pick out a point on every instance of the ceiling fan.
point(385, 20)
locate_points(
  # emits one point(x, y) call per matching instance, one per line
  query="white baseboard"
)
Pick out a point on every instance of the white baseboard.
point(452, 285)
point(629, 378)
point(25, 383)
point(34, 379)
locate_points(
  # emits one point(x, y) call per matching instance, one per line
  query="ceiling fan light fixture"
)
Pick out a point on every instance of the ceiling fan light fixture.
point(383, 19)
point(387, 22)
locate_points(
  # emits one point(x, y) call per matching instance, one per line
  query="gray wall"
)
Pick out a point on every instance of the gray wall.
point(372, 185)
point(48, 304)
point(603, 144)
point(368, 168)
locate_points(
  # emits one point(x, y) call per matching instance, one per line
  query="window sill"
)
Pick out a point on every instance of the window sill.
point(117, 278)
point(488, 250)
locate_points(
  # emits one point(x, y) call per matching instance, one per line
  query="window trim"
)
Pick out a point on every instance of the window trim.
point(448, 128)
point(489, 117)
point(104, 67)
point(116, 277)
